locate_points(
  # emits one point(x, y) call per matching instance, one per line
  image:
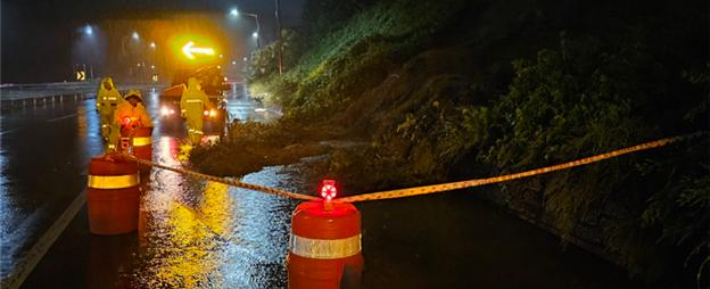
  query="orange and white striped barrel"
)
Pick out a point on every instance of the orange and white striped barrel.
point(143, 145)
point(325, 246)
point(113, 195)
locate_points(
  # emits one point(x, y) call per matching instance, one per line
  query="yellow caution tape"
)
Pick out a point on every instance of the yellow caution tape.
point(239, 184)
point(431, 189)
point(113, 182)
point(141, 141)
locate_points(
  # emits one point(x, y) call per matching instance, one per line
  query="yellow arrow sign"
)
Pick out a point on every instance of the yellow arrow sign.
point(188, 49)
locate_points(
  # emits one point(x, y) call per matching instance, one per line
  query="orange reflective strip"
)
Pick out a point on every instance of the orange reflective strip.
point(113, 182)
point(325, 249)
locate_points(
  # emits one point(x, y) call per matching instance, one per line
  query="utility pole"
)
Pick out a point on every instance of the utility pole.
point(278, 31)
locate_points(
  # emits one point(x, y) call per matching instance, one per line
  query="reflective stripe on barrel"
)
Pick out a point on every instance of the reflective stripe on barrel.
point(141, 141)
point(325, 249)
point(113, 182)
point(325, 246)
point(113, 195)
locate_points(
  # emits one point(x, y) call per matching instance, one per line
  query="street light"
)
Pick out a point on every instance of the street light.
point(235, 13)
point(152, 45)
point(89, 42)
point(136, 36)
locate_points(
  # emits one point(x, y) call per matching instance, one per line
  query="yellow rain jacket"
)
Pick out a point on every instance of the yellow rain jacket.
point(193, 104)
point(107, 99)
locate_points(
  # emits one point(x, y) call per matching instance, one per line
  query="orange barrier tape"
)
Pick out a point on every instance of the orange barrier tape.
point(432, 189)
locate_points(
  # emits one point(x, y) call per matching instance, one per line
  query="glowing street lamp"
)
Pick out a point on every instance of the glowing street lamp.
point(255, 35)
point(136, 36)
point(88, 30)
point(234, 13)
point(152, 45)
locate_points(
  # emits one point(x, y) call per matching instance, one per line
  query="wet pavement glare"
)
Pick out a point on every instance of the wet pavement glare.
point(200, 234)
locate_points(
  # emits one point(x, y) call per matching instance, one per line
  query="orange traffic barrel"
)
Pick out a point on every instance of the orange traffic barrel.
point(143, 145)
point(113, 195)
point(325, 246)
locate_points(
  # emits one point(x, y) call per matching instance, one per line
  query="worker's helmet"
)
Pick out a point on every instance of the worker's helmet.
point(133, 93)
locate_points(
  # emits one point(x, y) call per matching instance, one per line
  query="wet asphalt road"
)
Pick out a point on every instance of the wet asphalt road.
point(43, 155)
point(196, 234)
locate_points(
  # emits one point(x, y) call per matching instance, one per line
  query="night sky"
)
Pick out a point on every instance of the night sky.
point(38, 36)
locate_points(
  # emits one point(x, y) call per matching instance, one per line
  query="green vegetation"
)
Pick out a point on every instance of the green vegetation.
point(447, 90)
point(369, 46)
point(590, 98)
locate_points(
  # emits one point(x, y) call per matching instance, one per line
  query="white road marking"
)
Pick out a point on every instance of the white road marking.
point(8, 131)
point(62, 117)
point(28, 262)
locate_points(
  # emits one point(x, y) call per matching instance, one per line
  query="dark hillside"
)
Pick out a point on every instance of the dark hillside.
point(449, 90)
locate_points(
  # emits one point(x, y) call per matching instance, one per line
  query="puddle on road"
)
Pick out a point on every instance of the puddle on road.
point(199, 234)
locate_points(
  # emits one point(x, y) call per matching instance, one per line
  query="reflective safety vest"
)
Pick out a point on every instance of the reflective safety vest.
point(194, 102)
point(108, 100)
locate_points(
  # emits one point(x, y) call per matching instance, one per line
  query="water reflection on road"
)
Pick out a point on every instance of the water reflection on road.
point(198, 234)
point(44, 149)
point(201, 234)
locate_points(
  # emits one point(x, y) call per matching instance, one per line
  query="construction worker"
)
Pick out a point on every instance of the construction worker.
point(193, 104)
point(107, 99)
point(130, 114)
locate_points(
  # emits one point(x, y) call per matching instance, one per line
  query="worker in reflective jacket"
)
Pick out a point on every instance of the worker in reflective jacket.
point(130, 114)
point(193, 104)
point(107, 99)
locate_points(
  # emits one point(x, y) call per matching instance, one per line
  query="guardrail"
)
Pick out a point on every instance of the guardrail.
point(41, 90)
point(46, 84)
point(38, 94)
